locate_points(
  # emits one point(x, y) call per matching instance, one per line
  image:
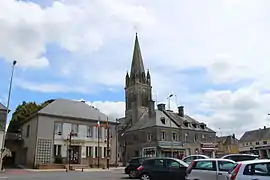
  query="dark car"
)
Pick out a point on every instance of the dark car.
point(240, 157)
point(162, 168)
point(133, 164)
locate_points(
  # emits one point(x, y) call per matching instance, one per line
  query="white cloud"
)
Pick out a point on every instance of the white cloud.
point(229, 39)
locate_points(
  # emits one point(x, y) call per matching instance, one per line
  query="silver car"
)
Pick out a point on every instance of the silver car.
point(191, 158)
point(209, 169)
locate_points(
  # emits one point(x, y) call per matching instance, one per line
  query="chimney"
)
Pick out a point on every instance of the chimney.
point(181, 111)
point(161, 107)
point(83, 101)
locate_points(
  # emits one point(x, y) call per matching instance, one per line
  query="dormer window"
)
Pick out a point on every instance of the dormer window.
point(194, 125)
point(186, 124)
point(162, 119)
point(202, 126)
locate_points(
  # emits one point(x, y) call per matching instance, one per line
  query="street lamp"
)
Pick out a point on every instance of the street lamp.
point(7, 111)
point(169, 107)
point(71, 134)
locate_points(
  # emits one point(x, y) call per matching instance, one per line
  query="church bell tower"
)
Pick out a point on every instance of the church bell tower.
point(138, 89)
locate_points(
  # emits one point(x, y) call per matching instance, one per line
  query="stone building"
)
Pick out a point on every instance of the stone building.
point(227, 145)
point(256, 142)
point(147, 131)
point(45, 137)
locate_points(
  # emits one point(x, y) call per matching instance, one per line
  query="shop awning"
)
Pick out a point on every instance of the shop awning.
point(164, 148)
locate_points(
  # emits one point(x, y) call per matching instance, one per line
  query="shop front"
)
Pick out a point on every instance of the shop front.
point(167, 149)
point(209, 149)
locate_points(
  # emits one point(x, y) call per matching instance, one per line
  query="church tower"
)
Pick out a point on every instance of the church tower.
point(138, 89)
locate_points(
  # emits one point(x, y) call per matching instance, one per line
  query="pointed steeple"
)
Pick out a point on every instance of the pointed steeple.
point(137, 67)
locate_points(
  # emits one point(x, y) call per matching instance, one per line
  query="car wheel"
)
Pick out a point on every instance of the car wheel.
point(132, 174)
point(145, 176)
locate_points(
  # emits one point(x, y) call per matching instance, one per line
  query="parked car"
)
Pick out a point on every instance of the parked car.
point(132, 165)
point(250, 170)
point(162, 168)
point(240, 157)
point(209, 169)
point(190, 158)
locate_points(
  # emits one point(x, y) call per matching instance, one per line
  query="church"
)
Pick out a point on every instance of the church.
point(151, 131)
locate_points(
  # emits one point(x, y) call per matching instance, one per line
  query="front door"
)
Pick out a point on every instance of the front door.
point(75, 154)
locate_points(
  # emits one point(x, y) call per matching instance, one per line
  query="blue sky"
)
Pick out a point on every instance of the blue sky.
point(212, 56)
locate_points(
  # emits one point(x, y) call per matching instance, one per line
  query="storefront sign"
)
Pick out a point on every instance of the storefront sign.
point(208, 146)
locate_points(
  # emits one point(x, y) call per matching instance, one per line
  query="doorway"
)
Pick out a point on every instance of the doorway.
point(74, 154)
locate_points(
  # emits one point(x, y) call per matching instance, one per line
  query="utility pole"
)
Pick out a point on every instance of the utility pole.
point(7, 111)
point(98, 128)
point(169, 107)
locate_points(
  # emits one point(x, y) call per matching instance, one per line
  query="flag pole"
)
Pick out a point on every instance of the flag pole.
point(108, 143)
point(98, 129)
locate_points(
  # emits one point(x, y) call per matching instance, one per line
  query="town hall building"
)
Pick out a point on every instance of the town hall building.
point(147, 131)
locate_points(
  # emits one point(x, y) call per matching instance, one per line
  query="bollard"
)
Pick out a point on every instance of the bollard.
point(82, 169)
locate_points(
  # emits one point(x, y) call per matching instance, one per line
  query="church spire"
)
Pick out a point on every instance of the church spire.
point(137, 67)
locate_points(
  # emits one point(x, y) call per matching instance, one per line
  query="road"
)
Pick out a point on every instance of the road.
point(97, 175)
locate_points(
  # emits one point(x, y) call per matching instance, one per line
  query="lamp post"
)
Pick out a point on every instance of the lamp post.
point(69, 148)
point(169, 107)
point(7, 111)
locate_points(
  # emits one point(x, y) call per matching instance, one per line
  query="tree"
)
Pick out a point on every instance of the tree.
point(23, 112)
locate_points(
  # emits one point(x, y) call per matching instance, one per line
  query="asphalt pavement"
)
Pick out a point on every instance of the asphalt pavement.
point(95, 175)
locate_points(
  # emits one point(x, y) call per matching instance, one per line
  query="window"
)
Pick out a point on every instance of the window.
point(89, 151)
point(189, 159)
point(155, 162)
point(75, 129)
point(206, 165)
point(162, 119)
point(225, 166)
point(264, 142)
point(186, 124)
point(28, 131)
point(96, 151)
point(58, 128)
point(105, 151)
point(194, 125)
point(57, 150)
point(257, 143)
point(174, 136)
point(149, 136)
point(99, 132)
point(259, 169)
point(163, 136)
point(89, 131)
point(186, 136)
point(195, 137)
point(173, 164)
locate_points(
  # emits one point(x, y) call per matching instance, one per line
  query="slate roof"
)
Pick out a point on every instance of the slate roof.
point(74, 109)
point(2, 107)
point(180, 121)
point(145, 122)
point(226, 139)
point(256, 135)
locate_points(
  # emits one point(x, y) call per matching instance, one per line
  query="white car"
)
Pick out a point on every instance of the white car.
point(191, 158)
point(209, 169)
point(251, 170)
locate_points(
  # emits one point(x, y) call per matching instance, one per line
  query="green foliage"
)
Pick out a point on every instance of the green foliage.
point(23, 112)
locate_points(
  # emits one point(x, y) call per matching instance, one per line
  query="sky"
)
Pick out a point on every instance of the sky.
point(213, 55)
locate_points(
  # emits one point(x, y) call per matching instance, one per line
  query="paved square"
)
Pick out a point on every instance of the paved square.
point(99, 175)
